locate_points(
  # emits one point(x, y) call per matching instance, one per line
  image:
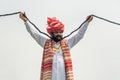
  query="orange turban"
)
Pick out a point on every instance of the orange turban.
point(54, 24)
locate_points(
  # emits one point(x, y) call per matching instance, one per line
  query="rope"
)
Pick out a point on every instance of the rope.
point(38, 29)
point(68, 34)
point(28, 20)
point(85, 21)
point(105, 19)
point(9, 14)
point(74, 30)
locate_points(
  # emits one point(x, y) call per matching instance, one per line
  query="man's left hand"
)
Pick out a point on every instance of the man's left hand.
point(89, 18)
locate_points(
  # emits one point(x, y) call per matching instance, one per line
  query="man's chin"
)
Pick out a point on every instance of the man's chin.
point(57, 39)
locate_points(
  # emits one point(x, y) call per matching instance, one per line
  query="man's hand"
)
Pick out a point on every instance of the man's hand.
point(89, 18)
point(23, 16)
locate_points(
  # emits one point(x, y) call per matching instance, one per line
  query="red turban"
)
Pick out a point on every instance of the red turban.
point(54, 24)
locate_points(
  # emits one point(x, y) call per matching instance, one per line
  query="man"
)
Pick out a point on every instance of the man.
point(56, 61)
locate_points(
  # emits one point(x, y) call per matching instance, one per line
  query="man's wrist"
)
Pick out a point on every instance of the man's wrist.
point(25, 20)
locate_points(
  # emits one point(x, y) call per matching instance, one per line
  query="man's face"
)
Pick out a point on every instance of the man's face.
point(57, 35)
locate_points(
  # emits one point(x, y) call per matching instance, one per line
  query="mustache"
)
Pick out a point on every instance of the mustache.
point(59, 36)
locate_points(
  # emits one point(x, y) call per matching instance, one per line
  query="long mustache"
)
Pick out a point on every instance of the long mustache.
point(59, 36)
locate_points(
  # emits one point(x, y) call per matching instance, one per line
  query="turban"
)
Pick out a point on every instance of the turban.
point(54, 25)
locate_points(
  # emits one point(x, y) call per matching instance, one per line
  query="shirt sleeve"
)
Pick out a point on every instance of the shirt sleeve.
point(77, 37)
point(35, 34)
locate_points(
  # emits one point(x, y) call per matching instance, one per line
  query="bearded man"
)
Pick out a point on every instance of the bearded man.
point(56, 61)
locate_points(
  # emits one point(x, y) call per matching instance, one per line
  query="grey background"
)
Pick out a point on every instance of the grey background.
point(95, 57)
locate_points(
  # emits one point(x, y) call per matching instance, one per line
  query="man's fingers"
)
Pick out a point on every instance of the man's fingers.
point(89, 18)
point(20, 15)
point(24, 13)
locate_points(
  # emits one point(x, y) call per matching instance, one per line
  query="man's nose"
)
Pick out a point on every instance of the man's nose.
point(59, 33)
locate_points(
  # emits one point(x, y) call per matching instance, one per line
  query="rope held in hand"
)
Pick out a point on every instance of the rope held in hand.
point(68, 34)
point(28, 20)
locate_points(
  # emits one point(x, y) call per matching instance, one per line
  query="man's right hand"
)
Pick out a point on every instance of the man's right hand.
point(23, 16)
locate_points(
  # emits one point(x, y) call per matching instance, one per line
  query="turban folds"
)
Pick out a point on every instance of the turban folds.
point(54, 24)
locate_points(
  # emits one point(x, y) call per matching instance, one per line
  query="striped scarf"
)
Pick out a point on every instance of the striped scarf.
point(46, 67)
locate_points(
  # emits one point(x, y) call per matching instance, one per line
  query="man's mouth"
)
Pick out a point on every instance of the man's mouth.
point(57, 38)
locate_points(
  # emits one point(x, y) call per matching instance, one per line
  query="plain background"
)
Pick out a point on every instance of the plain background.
point(95, 57)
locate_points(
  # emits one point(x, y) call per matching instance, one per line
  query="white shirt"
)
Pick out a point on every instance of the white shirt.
point(58, 69)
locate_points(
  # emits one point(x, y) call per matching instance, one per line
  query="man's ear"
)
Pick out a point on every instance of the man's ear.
point(52, 34)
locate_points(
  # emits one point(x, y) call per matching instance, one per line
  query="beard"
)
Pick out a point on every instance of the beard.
point(57, 38)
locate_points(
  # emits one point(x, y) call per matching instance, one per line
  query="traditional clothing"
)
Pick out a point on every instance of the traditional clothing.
point(57, 64)
point(46, 69)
